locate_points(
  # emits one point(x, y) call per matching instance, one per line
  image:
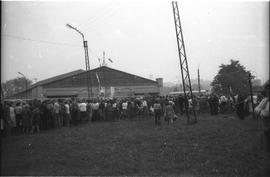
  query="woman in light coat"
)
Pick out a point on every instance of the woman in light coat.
point(169, 112)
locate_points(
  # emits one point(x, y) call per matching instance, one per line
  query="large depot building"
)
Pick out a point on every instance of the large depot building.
point(104, 81)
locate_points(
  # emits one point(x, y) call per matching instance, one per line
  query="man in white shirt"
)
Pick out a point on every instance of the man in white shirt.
point(56, 111)
point(145, 108)
point(124, 109)
point(114, 111)
point(95, 107)
point(67, 117)
point(222, 104)
point(83, 113)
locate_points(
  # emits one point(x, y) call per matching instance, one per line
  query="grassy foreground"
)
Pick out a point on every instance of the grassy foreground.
point(216, 146)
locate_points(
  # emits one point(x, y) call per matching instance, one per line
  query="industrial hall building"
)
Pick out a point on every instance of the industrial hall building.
point(103, 82)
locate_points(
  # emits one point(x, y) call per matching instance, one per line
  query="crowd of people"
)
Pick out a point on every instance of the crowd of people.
point(33, 116)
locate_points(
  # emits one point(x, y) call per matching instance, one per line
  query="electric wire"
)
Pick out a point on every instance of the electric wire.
point(40, 41)
point(101, 20)
point(48, 42)
point(99, 15)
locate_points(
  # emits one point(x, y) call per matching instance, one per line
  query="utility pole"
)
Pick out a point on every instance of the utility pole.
point(183, 63)
point(199, 82)
point(102, 72)
point(87, 64)
point(251, 93)
point(104, 63)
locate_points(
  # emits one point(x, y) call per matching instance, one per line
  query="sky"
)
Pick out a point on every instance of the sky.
point(138, 36)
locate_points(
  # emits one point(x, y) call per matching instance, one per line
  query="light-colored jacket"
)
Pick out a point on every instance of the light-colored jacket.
point(265, 111)
point(263, 107)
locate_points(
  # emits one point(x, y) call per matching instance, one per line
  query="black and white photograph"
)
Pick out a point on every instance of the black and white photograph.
point(135, 88)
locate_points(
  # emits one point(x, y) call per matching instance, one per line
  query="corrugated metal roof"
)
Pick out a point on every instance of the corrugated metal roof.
point(106, 75)
point(55, 78)
point(102, 70)
point(123, 72)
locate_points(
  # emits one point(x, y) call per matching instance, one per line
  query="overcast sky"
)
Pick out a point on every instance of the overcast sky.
point(139, 36)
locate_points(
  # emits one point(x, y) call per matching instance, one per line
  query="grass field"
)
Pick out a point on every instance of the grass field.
point(216, 146)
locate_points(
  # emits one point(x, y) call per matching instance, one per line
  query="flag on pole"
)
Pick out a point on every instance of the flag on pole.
point(99, 62)
point(231, 90)
point(110, 60)
point(98, 83)
point(98, 79)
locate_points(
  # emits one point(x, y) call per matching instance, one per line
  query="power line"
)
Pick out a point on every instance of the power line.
point(94, 53)
point(47, 42)
point(99, 15)
point(95, 27)
point(41, 41)
point(102, 18)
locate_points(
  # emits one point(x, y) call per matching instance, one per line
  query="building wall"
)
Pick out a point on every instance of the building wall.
point(36, 92)
point(82, 92)
point(109, 81)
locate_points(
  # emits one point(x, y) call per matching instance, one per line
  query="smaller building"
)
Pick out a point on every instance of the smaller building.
point(102, 81)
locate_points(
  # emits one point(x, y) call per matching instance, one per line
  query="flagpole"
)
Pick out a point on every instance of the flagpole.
point(98, 83)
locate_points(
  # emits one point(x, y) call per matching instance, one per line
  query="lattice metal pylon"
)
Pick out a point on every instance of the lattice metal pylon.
point(183, 64)
point(87, 67)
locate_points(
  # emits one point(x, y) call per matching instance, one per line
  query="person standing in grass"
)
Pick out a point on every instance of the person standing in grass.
point(26, 119)
point(12, 116)
point(83, 111)
point(108, 111)
point(50, 113)
point(43, 119)
point(169, 112)
point(89, 110)
point(62, 113)
point(35, 119)
point(132, 109)
point(67, 117)
point(2, 118)
point(124, 110)
point(114, 111)
point(56, 111)
point(240, 106)
point(95, 116)
point(145, 108)
point(74, 112)
point(18, 112)
point(262, 111)
point(157, 112)
point(196, 104)
point(6, 120)
point(129, 109)
point(101, 110)
point(181, 102)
